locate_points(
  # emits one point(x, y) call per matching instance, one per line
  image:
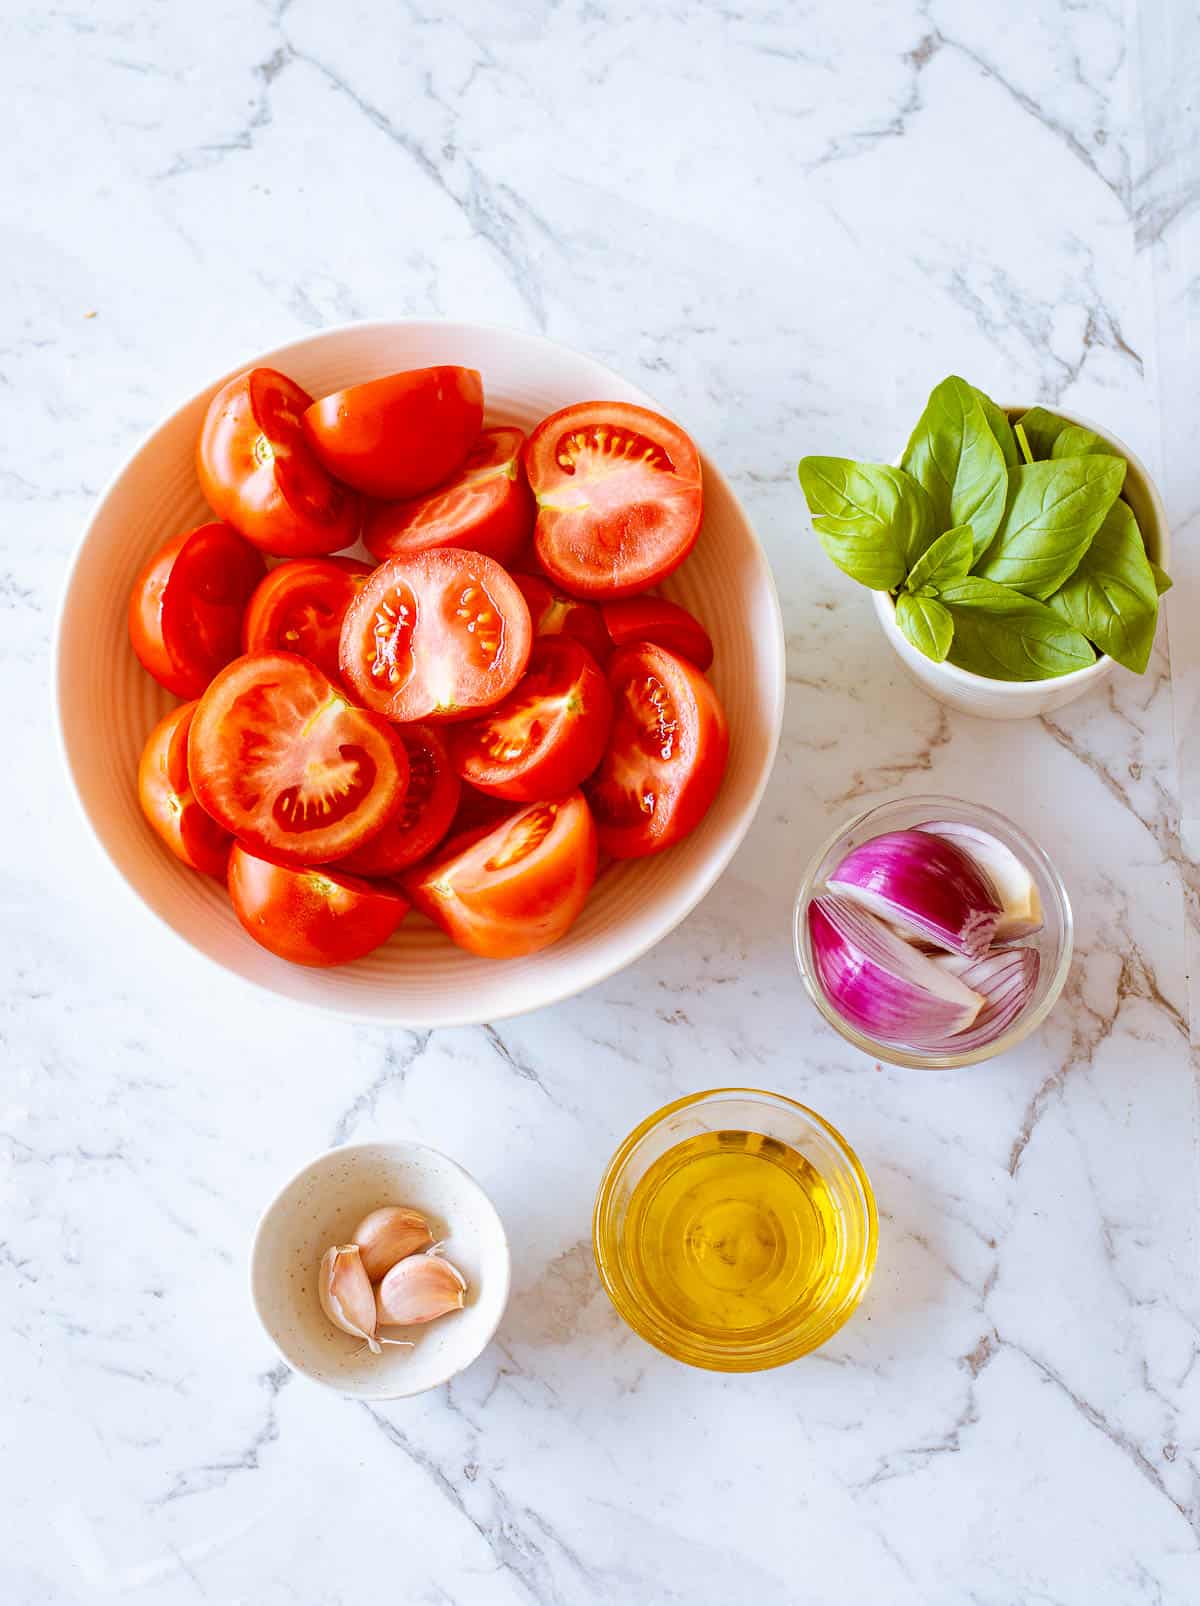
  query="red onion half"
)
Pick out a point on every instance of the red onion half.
point(925, 887)
point(1021, 907)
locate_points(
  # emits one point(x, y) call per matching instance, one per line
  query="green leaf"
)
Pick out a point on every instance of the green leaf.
point(1054, 510)
point(872, 520)
point(1042, 429)
point(1006, 636)
point(1075, 441)
point(926, 624)
point(948, 558)
point(955, 456)
point(1000, 427)
point(1112, 597)
point(1162, 580)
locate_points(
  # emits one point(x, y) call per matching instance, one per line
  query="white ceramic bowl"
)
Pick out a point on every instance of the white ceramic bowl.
point(321, 1206)
point(1025, 699)
point(107, 703)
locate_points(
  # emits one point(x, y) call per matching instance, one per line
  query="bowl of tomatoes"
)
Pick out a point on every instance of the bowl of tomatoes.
point(423, 672)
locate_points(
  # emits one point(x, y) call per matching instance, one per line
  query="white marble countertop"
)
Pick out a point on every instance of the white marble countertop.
point(787, 222)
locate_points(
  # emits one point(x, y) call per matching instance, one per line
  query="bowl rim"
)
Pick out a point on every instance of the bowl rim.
point(713, 870)
point(503, 1271)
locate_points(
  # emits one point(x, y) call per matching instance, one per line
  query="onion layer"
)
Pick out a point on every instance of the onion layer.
point(1021, 907)
point(925, 887)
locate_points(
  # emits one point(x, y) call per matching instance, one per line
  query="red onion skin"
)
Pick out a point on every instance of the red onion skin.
point(925, 886)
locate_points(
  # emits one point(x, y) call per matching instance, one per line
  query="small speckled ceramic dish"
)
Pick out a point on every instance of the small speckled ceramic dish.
point(321, 1206)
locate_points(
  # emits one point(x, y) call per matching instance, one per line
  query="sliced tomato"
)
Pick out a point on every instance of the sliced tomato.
point(185, 609)
point(553, 614)
point(281, 758)
point(518, 887)
point(634, 619)
point(308, 915)
point(666, 755)
point(426, 814)
point(439, 635)
point(618, 494)
point(547, 735)
point(299, 607)
point(476, 809)
point(399, 436)
point(487, 507)
point(258, 472)
point(167, 799)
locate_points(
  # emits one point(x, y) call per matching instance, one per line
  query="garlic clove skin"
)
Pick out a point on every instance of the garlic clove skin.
point(419, 1289)
point(388, 1235)
point(346, 1295)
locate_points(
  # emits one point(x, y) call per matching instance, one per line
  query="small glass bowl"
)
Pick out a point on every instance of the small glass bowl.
point(738, 1109)
point(1053, 941)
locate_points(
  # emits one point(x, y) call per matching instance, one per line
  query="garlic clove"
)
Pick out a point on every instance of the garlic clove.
point(419, 1289)
point(346, 1295)
point(388, 1235)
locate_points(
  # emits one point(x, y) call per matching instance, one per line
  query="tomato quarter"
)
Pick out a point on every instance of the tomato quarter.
point(618, 494)
point(666, 624)
point(666, 755)
point(167, 800)
point(552, 614)
point(299, 607)
point(426, 814)
point(308, 915)
point(281, 759)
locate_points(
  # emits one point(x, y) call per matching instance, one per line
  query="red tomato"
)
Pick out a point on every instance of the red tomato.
point(666, 756)
point(279, 757)
point(666, 624)
point(425, 815)
point(618, 494)
point(439, 635)
point(552, 614)
point(310, 916)
point(399, 436)
point(258, 472)
point(299, 607)
point(488, 507)
point(548, 733)
point(185, 610)
point(516, 888)
point(167, 799)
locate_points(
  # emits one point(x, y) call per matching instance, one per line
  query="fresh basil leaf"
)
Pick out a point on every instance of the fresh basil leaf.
point(1162, 580)
point(947, 558)
point(1054, 510)
point(1000, 427)
point(1023, 442)
point(1076, 441)
point(1004, 635)
point(926, 624)
point(955, 456)
point(1042, 429)
point(1112, 597)
point(872, 520)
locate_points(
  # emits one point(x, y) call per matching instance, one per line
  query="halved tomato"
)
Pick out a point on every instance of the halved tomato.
point(552, 614)
point(516, 888)
point(487, 507)
point(185, 609)
point(547, 735)
point(281, 758)
point(439, 635)
point(426, 814)
point(634, 619)
point(167, 799)
point(666, 756)
point(299, 607)
point(311, 916)
point(618, 494)
point(399, 436)
point(258, 472)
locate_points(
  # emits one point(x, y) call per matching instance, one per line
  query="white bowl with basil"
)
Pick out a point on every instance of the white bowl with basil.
point(1016, 556)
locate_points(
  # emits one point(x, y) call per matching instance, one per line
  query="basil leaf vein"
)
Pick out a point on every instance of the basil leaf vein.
point(926, 623)
point(954, 454)
point(947, 558)
point(1004, 635)
point(873, 520)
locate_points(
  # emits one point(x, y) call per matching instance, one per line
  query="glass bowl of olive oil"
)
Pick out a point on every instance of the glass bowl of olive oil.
point(735, 1230)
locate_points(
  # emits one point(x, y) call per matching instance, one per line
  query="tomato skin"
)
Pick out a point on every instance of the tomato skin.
point(425, 816)
point(552, 614)
point(167, 799)
point(547, 735)
point(281, 758)
point(488, 507)
point(299, 607)
point(634, 619)
point(399, 436)
point(259, 474)
point(619, 497)
point(666, 756)
point(515, 889)
point(310, 916)
point(185, 609)
point(436, 636)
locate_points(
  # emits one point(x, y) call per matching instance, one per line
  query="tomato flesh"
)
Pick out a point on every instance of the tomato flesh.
point(553, 614)
point(308, 915)
point(517, 887)
point(426, 814)
point(299, 607)
point(168, 802)
point(281, 758)
point(666, 756)
point(634, 619)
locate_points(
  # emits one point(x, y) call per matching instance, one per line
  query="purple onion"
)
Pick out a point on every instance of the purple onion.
point(1006, 978)
point(923, 886)
point(1021, 907)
